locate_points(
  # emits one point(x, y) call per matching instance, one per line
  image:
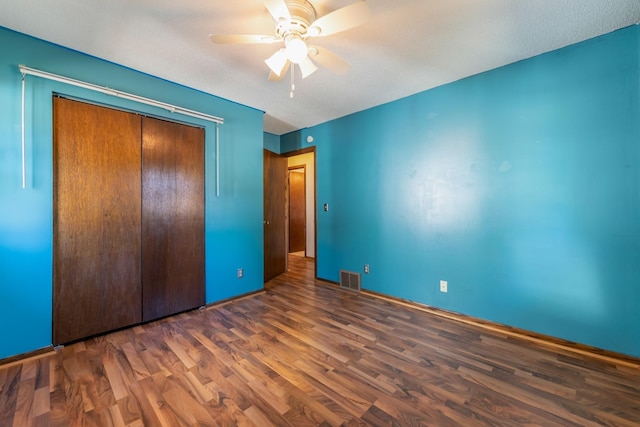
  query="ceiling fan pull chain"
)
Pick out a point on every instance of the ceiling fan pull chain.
point(293, 85)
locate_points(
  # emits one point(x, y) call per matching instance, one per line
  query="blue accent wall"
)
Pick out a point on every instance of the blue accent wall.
point(272, 142)
point(519, 186)
point(233, 219)
point(291, 141)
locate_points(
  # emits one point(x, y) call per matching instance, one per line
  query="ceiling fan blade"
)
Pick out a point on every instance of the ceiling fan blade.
point(273, 77)
point(242, 38)
point(277, 62)
point(279, 10)
point(307, 67)
point(342, 19)
point(329, 60)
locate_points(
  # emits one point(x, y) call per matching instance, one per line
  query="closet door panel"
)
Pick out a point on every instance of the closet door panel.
point(97, 211)
point(173, 272)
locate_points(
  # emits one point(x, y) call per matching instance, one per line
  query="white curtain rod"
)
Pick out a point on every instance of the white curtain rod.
point(108, 91)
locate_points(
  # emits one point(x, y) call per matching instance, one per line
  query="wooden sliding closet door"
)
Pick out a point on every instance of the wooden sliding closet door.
point(172, 218)
point(97, 211)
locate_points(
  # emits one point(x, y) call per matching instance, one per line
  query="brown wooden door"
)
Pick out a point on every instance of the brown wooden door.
point(297, 211)
point(275, 178)
point(173, 266)
point(96, 244)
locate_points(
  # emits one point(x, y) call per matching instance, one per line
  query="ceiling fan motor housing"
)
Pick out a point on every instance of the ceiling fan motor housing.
point(302, 15)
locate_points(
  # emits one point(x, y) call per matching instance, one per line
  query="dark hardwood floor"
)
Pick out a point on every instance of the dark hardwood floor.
point(304, 353)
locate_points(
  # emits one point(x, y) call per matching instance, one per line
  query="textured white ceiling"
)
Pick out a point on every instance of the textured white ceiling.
point(408, 45)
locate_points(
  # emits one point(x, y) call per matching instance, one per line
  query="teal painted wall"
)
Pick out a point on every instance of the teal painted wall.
point(519, 186)
point(233, 219)
point(291, 141)
point(272, 142)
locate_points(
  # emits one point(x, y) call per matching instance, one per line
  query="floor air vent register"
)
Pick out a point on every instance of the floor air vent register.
point(350, 280)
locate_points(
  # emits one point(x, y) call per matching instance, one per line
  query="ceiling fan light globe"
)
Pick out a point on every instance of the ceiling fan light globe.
point(277, 62)
point(307, 68)
point(314, 31)
point(296, 50)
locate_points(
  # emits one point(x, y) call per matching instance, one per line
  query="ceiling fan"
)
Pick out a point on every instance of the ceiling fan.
point(295, 23)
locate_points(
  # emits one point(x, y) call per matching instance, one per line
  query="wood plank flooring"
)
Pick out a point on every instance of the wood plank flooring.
point(304, 353)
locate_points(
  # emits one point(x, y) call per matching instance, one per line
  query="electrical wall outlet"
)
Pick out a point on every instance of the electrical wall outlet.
point(443, 286)
point(240, 273)
point(366, 269)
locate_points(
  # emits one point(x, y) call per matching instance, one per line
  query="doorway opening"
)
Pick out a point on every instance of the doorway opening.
point(297, 210)
point(301, 203)
point(281, 241)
